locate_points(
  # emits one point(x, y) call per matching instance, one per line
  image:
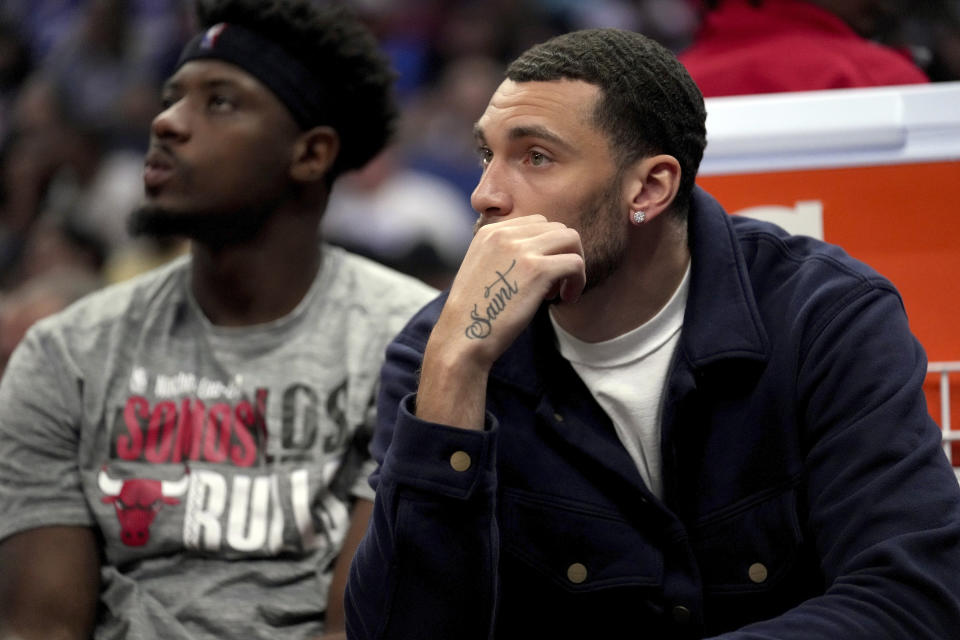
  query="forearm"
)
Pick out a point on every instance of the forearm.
point(334, 623)
point(426, 570)
point(891, 558)
point(862, 608)
point(428, 519)
point(49, 584)
point(452, 390)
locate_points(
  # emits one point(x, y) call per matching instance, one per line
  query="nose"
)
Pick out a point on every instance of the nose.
point(171, 124)
point(490, 197)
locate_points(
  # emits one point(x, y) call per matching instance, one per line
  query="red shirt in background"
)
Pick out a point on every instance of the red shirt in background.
point(788, 45)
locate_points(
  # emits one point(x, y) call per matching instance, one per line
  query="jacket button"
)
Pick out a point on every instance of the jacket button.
point(558, 417)
point(681, 615)
point(576, 573)
point(460, 461)
point(757, 572)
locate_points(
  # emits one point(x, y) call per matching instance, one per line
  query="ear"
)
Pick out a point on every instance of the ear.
point(314, 152)
point(652, 184)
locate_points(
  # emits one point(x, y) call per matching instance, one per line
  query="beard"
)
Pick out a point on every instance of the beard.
point(602, 234)
point(212, 228)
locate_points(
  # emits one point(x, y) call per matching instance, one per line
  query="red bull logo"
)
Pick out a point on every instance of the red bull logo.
point(137, 502)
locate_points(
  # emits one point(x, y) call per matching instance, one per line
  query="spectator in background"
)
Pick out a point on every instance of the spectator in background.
point(37, 298)
point(111, 63)
point(57, 244)
point(43, 23)
point(769, 46)
point(58, 264)
point(435, 135)
point(15, 65)
point(31, 155)
point(57, 165)
point(404, 218)
point(931, 31)
point(95, 64)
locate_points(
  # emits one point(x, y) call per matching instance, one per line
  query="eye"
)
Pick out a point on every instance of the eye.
point(538, 159)
point(167, 101)
point(220, 103)
point(484, 155)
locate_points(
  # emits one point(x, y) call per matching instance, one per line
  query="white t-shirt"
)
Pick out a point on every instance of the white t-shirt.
point(626, 376)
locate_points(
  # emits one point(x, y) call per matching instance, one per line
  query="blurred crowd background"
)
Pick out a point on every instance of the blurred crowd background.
point(80, 83)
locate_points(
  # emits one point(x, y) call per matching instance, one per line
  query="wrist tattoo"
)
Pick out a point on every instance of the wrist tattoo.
point(498, 292)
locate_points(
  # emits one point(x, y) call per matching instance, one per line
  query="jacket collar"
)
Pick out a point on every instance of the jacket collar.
point(721, 321)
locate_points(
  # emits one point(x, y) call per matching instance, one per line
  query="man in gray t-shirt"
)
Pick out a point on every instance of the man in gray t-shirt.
point(184, 455)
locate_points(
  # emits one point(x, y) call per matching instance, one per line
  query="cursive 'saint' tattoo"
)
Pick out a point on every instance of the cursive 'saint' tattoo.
point(498, 292)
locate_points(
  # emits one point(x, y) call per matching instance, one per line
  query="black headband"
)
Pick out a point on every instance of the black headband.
point(268, 62)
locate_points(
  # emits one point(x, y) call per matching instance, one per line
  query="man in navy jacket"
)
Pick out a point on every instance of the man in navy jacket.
point(634, 416)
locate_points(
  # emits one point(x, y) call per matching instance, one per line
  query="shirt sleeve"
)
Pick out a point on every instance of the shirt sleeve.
point(428, 564)
point(359, 457)
point(40, 418)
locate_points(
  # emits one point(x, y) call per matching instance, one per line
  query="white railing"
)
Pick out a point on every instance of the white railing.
point(944, 369)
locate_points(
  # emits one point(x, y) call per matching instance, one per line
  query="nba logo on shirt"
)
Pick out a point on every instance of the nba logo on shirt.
point(210, 37)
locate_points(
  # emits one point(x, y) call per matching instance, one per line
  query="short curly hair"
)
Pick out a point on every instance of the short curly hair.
point(648, 105)
point(344, 58)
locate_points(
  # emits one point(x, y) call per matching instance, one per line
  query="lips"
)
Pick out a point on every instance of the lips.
point(158, 167)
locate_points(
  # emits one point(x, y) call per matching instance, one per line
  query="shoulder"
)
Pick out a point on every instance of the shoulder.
point(764, 253)
point(416, 332)
point(755, 286)
point(368, 302)
point(879, 65)
point(76, 343)
point(127, 302)
point(802, 280)
point(376, 288)
point(764, 241)
point(798, 62)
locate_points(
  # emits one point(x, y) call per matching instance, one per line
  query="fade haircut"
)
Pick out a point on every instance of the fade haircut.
point(353, 75)
point(648, 103)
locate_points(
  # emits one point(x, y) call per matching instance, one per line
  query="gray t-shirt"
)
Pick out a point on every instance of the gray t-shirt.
point(217, 464)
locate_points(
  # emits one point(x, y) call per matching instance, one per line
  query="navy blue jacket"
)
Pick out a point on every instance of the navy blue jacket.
point(805, 491)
